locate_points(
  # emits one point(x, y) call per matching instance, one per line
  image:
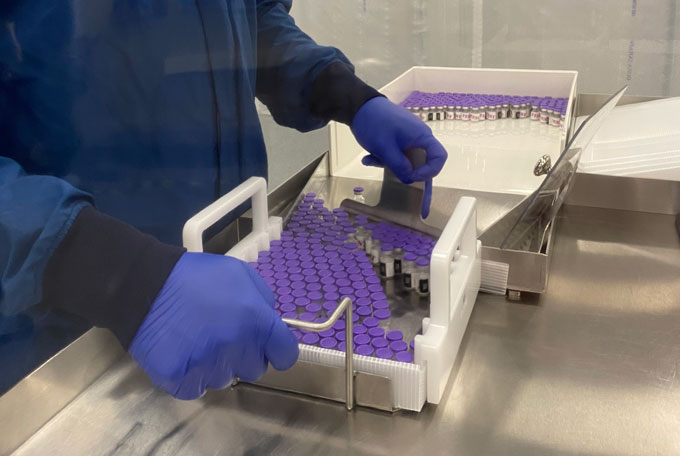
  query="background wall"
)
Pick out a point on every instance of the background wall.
point(610, 42)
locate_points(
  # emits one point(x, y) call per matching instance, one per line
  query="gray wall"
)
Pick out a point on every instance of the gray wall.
point(610, 42)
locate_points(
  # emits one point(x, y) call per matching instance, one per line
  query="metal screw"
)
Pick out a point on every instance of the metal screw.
point(543, 165)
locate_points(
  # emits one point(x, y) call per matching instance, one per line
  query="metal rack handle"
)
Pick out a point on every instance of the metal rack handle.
point(344, 306)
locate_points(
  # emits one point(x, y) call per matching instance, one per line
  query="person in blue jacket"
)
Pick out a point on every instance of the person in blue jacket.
point(145, 108)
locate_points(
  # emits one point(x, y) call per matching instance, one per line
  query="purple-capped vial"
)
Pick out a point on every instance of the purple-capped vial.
point(297, 334)
point(381, 304)
point(412, 344)
point(363, 301)
point(341, 346)
point(282, 291)
point(359, 285)
point(404, 357)
point(359, 329)
point(362, 339)
point(364, 311)
point(371, 322)
point(346, 291)
point(307, 316)
point(313, 287)
point(297, 285)
point(398, 346)
point(312, 278)
point(340, 335)
point(281, 279)
point(321, 266)
point(285, 308)
point(339, 325)
point(266, 273)
point(378, 296)
point(365, 265)
point(328, 342)
point(372, 280)
point(362, 293)
point(343, 283)
point(315, 296)
point(356, 277)
point(327, 333)
point(285, 299)
point(375, 288)
point(364, 350)
point(376, 332)
point(384, 353)
point(382, 314)
point(410, 248)
point(334, 261)
point(313, 308)
point(289, 315)
point(378, 342)
point(280, 268)
point(292, 263)
point(328, 280)
point(394, 335)
point(302, 301)
point(332, 296)
point(324, 273)
point(423, 253)
point(307, 264)
point(330, 306)
point(310, 339)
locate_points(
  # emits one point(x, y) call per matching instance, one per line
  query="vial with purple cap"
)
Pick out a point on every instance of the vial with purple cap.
point(359, 195)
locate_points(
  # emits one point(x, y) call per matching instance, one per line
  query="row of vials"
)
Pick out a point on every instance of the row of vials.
point(481, 107)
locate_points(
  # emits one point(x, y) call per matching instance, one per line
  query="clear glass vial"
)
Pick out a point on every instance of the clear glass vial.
point(386, 261)
point(555, 118)
point(408, 269)
point(359, 195)
point(423, 275)
point(398, 258)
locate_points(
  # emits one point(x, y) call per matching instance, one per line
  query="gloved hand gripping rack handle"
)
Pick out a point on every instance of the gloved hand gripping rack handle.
point(265, 228)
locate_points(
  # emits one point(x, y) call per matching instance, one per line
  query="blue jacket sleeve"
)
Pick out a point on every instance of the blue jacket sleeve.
point(58, 251)
point(36, 212)
point(304, 85)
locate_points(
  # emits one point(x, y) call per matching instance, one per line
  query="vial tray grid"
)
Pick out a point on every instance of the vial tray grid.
point(325, 255)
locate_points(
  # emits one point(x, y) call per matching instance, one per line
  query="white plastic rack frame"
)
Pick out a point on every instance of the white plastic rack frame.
point(455, 276)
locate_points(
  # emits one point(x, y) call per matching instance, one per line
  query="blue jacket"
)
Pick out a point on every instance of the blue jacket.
point(146, 108)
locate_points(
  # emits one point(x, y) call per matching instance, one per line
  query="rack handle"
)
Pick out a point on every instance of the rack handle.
point(255, 188)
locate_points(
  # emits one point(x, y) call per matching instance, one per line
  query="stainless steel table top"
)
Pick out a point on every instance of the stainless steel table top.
point(590, 367)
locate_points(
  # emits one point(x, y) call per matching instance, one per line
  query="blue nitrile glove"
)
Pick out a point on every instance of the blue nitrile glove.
point(212, 321)
point(386, 130)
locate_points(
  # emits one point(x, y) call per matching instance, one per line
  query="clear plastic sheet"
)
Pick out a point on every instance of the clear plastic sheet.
point(611, 43)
